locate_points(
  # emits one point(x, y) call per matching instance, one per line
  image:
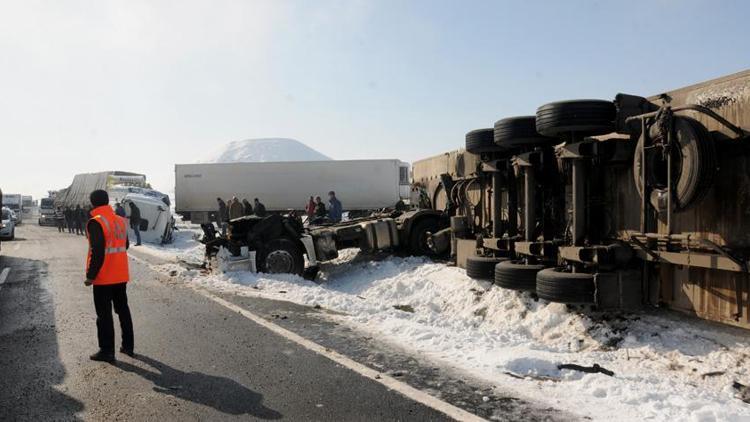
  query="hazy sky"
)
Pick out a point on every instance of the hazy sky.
point(139, 86)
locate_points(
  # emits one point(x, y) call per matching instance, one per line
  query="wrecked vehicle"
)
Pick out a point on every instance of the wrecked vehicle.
point(632, 201)
point(281, 244)
point(157, 223)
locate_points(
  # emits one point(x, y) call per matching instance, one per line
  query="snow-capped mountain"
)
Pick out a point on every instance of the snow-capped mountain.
point(265, 149)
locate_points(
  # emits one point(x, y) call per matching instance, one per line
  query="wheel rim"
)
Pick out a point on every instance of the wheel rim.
point(279, 262)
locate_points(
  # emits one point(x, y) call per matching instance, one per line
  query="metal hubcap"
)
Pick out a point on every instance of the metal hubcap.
point(279, 262)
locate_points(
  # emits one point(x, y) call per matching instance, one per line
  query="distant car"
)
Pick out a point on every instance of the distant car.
point(8, 226)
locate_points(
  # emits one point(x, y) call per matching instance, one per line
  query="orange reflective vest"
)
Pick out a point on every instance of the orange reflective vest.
point(115, 266)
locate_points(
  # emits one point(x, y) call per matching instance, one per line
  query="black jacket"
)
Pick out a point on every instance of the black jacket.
point(247, 206)
point(135, 215)
point(96, 245)
point(260, 209)
point(223, 213)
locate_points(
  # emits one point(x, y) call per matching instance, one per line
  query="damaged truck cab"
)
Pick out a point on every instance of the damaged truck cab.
point(282, 244)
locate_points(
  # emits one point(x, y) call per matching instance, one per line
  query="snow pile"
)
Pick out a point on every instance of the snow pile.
point(665, 368)
point(266, 150)
point(184, 247)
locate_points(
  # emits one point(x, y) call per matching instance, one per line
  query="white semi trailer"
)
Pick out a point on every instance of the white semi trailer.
point(283, 186)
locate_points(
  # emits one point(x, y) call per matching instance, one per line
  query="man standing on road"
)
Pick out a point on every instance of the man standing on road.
point(107, 270)
point(335, 210)
point(82, 218)
point(60, 220)
point(135, 222)
point(69, 219)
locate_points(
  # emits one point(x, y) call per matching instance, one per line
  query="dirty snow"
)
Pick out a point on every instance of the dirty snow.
point(667, 367)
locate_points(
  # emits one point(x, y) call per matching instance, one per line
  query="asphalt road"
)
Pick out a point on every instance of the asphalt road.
point(195, 359)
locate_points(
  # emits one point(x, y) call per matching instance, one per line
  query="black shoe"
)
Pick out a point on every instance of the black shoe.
point(103, 356)
point(137, 244)
point(127, 352)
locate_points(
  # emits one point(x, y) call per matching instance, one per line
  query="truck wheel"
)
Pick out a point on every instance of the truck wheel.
point(516, 132)
point(587, 117)
point(480, 141)
point(694, 166)
point(556, 285)
point(482, 267)
point(282, 256)
point(516, 275)
point(419, 235)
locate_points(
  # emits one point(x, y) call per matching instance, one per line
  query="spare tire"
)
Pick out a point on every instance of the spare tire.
point(517, 132)
point(481, 141)
point(482, 267)
point(517, 275)
point(694, 166)
point(585, 117)
point(556, 285)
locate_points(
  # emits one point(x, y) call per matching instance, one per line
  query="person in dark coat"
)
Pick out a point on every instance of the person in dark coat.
point(236, 209)
point(81, 219)
point(223, 216)
point(335, 209)
point(260, 209)
point(135, 222)
point(320, 208)
point(60, 220)
point(69, 219)
point(248, 207)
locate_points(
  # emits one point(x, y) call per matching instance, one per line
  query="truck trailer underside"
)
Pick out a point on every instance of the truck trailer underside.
point(653, 211)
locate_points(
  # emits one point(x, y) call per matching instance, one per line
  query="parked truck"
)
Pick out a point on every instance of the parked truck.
point(14, 202)
point(618, 203)
point(47, 211)
point(362, 185)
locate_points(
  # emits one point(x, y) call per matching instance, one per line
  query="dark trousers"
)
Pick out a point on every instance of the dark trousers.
point(137, 230)
point(104, 298)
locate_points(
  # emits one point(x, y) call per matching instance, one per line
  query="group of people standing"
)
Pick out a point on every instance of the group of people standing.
point(234, 208)
point(74, 219)
point(316, 209)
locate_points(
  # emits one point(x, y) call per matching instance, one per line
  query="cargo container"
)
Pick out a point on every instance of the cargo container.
point(282, 186)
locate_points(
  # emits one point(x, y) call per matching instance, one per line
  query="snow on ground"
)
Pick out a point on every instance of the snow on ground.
point(666, 367)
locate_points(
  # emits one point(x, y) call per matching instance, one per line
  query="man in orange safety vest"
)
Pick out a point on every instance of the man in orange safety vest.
point(107, 270)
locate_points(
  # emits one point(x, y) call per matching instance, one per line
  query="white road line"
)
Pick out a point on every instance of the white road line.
point(4, 276)
point(379, 377)
point(388, 381)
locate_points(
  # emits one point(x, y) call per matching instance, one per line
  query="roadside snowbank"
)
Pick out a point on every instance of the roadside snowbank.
point(666, 367)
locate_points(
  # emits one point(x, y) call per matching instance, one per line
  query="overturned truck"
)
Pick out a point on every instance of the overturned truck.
point(614, 203)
